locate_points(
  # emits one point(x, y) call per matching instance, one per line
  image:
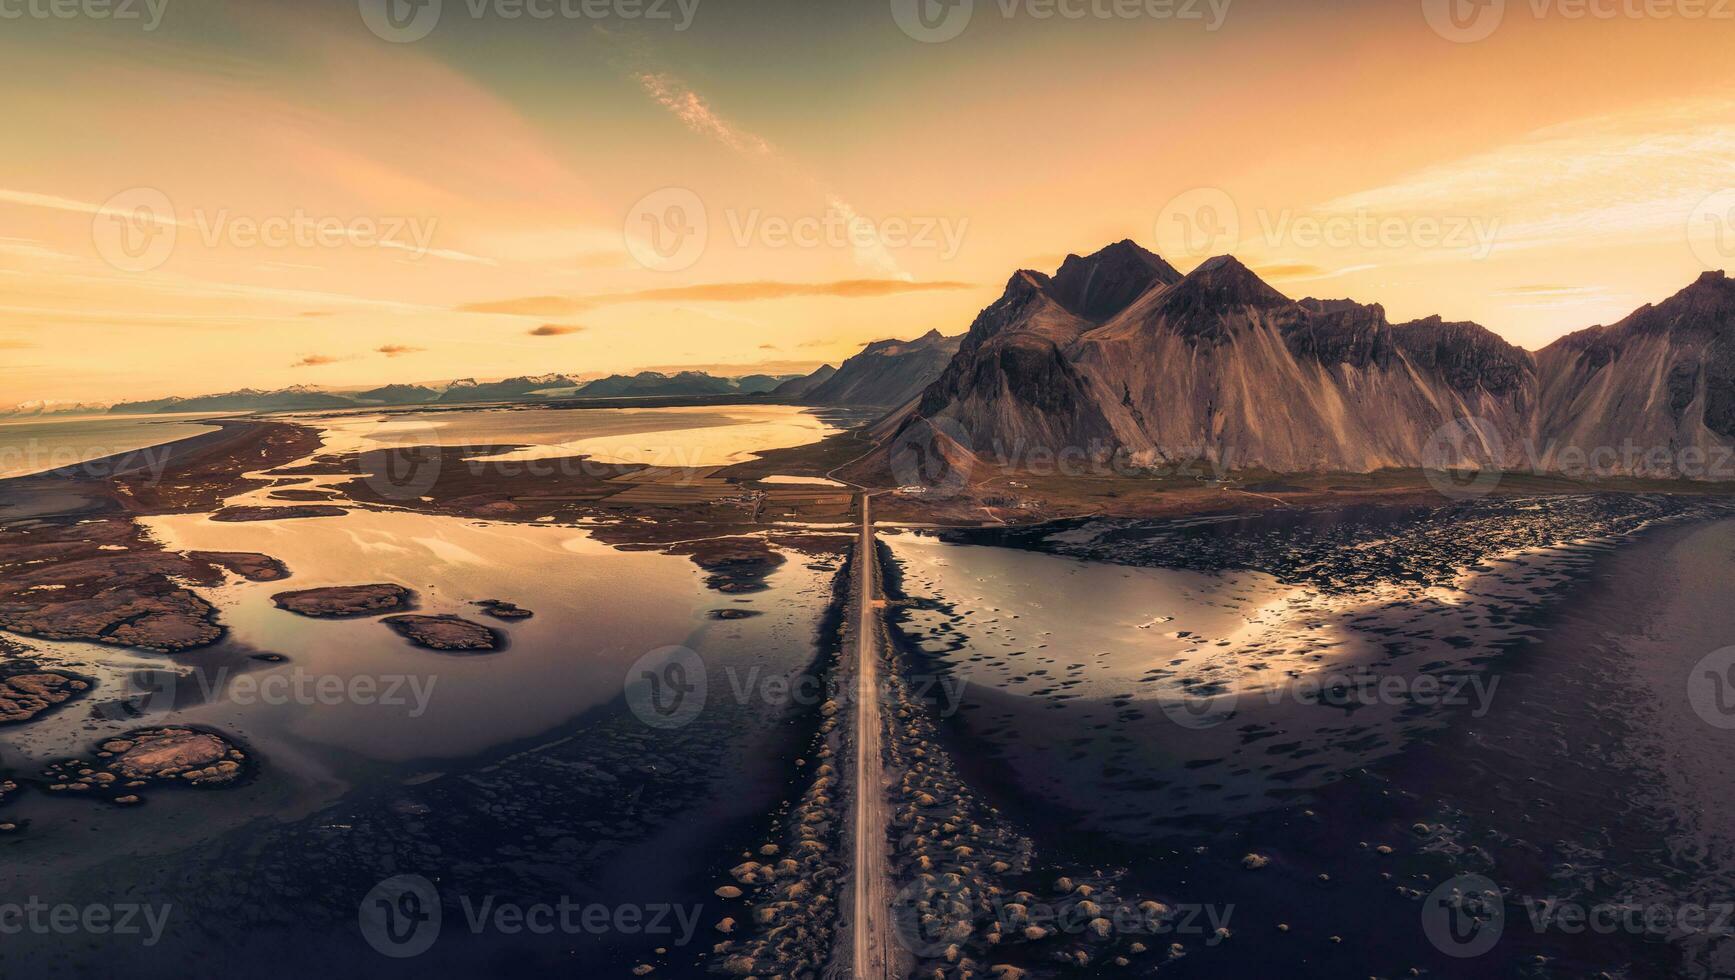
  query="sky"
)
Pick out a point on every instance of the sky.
point(198, 197)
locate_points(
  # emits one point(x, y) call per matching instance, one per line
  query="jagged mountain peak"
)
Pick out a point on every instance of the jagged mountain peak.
point(1104, 283)
point(1228, 281)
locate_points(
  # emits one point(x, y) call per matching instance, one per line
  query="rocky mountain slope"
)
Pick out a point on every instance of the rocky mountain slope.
point(796, 389)
point(886, 372)
point(1119, 354)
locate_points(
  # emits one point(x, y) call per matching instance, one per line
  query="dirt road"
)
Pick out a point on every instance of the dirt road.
point(871, 905)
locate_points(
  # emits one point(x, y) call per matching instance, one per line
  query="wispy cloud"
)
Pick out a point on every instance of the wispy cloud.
point(722, 292)
point(1618, 178)
point(697, 114)
point(398, 350)
point(693, 111)
point(554, 330)
point(316, 360)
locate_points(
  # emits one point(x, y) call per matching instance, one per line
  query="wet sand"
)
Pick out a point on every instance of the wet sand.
point(1582, 776)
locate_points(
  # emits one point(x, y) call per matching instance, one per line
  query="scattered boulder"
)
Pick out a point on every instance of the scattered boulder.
point(153, 756)
point(239, 515)
point(26, 696)
point(446, 633)
point(501, 609)
point(248, 565)
point(346, 601)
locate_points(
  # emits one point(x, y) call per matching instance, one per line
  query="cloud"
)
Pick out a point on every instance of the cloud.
point(740, 370)
point(554, 330)
point(698, 116)
point(399, 350)
point(720, 292)
point(316, 360)
point(1633, 176)
point(1289, 270)
point(15, 345)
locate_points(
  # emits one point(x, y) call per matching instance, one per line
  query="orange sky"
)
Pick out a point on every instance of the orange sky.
point(263, 195)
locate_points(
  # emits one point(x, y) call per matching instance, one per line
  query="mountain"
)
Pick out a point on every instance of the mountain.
point(33, 409)
point(796, 389)
point(1662, 380)
point(1118, 353)
point(652, 384)
point(763, 384)
point(468, 390)
point(886, 372)
point(297, 398)
point(398, 395)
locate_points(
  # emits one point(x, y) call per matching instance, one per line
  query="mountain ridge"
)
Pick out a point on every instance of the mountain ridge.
point(1218, 364)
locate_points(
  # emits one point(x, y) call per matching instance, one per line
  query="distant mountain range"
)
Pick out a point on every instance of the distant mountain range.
point(886, 373)
point(1119, 353)
point(648, 384)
